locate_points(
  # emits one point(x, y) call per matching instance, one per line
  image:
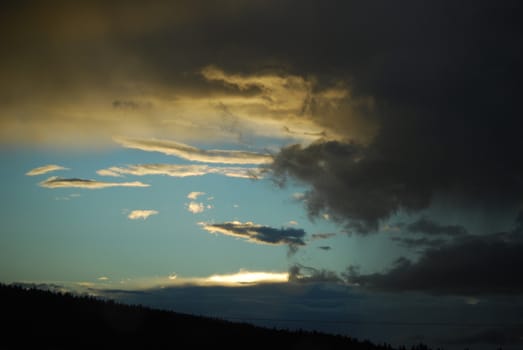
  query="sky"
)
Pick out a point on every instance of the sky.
point(351, 167)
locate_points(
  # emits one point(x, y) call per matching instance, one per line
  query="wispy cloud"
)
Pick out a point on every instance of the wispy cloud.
point(141, 214)
point(259, 234)
point(195, 154)
point(195, 195)
point(315, 236)
point(181, 170)
point(45, 169)
point(299, 196)
point(66, 198)
point(58, 182)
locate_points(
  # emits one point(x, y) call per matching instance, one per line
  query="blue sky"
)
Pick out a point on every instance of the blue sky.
point(332, 160)
point(92, 231)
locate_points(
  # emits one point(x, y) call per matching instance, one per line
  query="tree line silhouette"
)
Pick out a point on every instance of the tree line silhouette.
point(35, 318)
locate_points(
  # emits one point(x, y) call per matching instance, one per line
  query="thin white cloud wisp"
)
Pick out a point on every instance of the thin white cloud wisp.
point(181, 170)
point(45, 169)
point(194, 154)
point(58, 182)
point(141, 214)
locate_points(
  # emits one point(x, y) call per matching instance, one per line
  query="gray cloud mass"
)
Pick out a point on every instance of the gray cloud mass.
point(470, 265)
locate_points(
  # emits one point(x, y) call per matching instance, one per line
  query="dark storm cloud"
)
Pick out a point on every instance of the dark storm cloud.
point(412, 59)
point(472, 265)
point(467, 265)
point(402, 51)
point(349, 183)
point(444, 78)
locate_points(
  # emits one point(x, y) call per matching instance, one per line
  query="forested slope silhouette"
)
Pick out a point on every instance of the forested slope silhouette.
point(34, 318)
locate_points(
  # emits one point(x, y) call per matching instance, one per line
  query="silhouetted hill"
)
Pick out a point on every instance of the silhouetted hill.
point(33, 318)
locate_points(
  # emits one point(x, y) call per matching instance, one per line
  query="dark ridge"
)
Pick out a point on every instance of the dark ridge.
point(35, 318)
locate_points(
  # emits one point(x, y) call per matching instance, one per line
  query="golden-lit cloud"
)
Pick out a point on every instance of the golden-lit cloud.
point(45, 169)
point(181, 170)
point(279, 93)
point(194, 154)
point(58, 182)
point(291, 106)
point(195, 195)
point(75, 76)
point(195, 207)
point(141, 214)
point(287, 107)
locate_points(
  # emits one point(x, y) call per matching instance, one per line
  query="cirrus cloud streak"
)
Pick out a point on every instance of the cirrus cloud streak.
point(45, 169)
point(194, 154)
point(181, 170)
point(58, 182)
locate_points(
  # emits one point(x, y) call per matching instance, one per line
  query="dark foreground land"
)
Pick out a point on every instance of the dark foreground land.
point(36, 319)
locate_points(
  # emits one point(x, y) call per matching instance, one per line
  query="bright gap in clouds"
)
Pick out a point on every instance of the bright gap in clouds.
point(237, 279)
point(247, 277)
